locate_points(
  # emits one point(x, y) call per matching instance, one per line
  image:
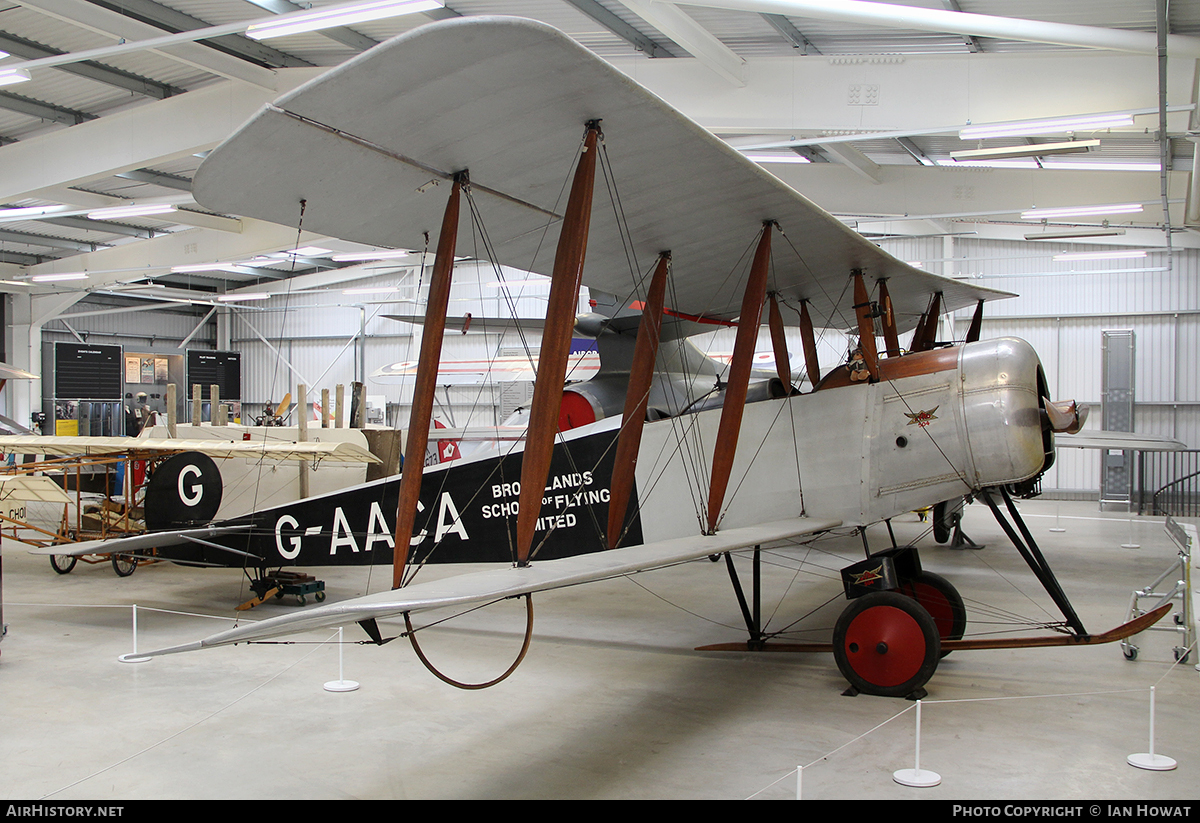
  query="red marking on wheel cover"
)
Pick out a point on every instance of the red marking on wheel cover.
point(905, 645)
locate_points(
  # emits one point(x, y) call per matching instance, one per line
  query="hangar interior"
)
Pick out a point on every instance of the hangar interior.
point(1083, 200)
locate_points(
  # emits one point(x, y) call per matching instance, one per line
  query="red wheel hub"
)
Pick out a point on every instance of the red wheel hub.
point(885, 645)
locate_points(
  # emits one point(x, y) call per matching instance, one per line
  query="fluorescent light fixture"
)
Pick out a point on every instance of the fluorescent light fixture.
point(1068, 234)
point(1033, 150)
point(1115, 254)
point(252, 295)
point(51, 278)
point(303, 251)
point(1081, 211)
point(372, 290)
point(1018, 163)
point(791, 157)
point(117, 212)
point(15, 283)
point(352, 256)
point(198, 267)
point(10, 76)
point(1088, 122)
point(30, 211)
point(1099, 165)
point(343, 14)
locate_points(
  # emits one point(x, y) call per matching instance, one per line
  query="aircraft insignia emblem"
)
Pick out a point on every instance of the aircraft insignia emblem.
point(922, 418)
point(869, 576)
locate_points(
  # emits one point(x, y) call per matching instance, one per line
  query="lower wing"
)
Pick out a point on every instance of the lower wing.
point(497, 584)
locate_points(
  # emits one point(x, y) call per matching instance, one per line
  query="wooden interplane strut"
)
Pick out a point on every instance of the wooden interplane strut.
point(425, 385)
point(739, 377)
point(641, 374)
point(556, 345)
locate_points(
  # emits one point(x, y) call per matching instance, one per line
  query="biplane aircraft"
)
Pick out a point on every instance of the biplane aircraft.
point(467, 126)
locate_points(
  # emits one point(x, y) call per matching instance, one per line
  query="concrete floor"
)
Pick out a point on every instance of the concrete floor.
point(611, 701)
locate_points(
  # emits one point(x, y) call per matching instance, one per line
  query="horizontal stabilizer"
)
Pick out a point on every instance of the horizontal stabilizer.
point(496, 584)
point(138, 542)
point(1119, 440)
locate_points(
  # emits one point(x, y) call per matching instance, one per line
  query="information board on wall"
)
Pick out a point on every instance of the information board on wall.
point(87, 372)
point(222, 368)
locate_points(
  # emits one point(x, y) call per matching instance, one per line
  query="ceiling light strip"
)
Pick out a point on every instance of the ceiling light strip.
point(341, 15)
point(1081, 211)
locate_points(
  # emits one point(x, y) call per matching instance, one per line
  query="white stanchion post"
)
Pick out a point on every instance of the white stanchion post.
point(799, 782)
point(916, 776)
point(341, 684)
point(1150, 760)
point(1131, 544)
point(132, 657)
point(1056, 527)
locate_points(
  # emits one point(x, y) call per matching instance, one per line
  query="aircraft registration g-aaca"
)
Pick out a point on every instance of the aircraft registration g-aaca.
point(464, 128)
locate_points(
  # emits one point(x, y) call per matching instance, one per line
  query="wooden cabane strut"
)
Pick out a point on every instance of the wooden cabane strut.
point(556, 345)
point(425, 384)
point(864, 311)
point(740, 365)
point(783, 360)
point(891, 338)
point(809, 341)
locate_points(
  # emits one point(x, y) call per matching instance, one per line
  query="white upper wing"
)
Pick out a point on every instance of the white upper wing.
point(506, 99)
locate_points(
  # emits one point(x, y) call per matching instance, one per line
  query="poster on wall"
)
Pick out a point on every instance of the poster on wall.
point(133, 369)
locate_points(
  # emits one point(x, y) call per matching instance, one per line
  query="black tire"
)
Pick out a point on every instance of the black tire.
point(946, 517)
point(124, 564)
point(938, 596)
point(63, 563)
point(886, 644)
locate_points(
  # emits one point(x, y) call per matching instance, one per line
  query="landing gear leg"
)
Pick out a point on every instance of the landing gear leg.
point(751, 614)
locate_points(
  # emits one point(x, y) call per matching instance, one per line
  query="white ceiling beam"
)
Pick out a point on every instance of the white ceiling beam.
point(113, 24)
point(150, 258)
point(689, 34)
point(132, 139)
point(887, 15)
point(854, 160)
